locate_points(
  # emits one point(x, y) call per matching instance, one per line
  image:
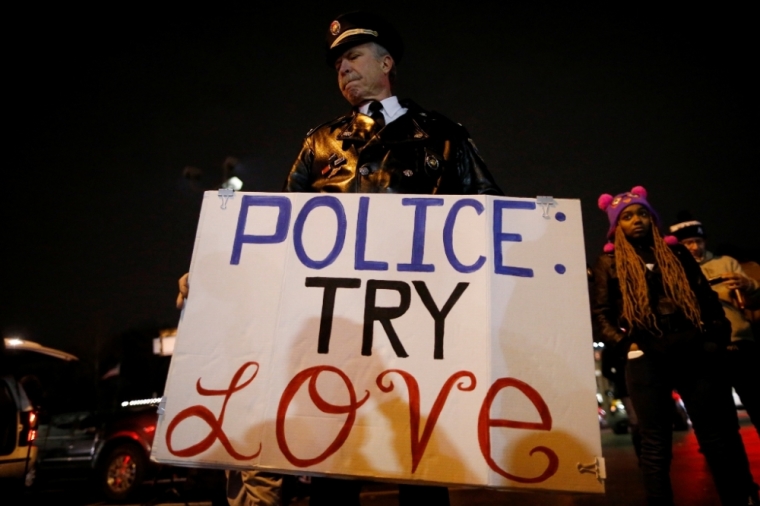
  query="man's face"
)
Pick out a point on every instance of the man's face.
point(636, 221)
point(362, 75)
point(696, 246)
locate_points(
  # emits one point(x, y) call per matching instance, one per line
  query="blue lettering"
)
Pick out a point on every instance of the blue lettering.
point(340, 213)
point(281, 230)
point(360, 249)
point(418, 240)
point(499, 237)
point(448, 236)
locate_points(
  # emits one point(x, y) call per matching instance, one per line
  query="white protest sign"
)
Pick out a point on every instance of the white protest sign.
point(440, 339)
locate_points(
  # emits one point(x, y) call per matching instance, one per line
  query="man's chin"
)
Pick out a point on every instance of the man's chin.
point(353, 97)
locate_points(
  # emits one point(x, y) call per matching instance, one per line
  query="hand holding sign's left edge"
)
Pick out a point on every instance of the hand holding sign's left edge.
point(184, 290)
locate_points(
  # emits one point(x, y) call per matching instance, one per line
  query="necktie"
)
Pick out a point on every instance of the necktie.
point(376, 113)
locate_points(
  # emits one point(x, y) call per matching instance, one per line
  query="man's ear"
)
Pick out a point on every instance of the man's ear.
point(386, 63)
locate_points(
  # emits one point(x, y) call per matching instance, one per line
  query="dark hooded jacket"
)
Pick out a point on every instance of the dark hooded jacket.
point(674, 328)
point(421, 152)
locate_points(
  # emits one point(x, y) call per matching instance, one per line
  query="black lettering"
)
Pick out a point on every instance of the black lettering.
point(384, 314)
point(439, 316)
point(331, 286)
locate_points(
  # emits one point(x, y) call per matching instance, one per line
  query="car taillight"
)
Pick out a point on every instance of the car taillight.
point(28, 428)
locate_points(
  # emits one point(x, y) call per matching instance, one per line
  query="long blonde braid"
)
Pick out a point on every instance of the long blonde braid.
point(633, 286)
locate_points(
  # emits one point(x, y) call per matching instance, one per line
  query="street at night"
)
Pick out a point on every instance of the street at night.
point(694, 486)
point(404, 229)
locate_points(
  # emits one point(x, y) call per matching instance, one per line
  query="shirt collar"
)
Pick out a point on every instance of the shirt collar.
point(359, 127)
point(390, 106)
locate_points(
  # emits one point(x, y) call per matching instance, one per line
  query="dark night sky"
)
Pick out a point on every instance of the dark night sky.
point(107, 107)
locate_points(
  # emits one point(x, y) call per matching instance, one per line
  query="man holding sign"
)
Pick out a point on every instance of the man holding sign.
point(382, 146)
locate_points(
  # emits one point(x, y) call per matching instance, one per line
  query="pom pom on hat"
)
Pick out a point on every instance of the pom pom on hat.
point(639, 190)
point(604, 201)
point(609, 247)
point(670, 240)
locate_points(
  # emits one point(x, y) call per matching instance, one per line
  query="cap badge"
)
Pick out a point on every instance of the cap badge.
point(335, 27)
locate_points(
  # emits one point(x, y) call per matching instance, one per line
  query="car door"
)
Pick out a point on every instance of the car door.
point(68, 440)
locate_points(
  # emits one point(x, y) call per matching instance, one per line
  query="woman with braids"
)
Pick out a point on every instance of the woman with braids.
point(652, 305)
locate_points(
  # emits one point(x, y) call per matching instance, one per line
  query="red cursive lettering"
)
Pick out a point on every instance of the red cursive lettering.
point(215, 424)
point(350, 409)
point(485, 422)
point(419, 443)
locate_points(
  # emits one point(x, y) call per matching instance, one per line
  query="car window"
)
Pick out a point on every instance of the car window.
point(8, 420)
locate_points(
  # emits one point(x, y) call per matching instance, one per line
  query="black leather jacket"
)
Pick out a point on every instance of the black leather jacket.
point(421, 152)
point(607, 307)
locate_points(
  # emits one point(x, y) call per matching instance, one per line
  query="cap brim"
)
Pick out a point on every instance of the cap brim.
point(335, 52)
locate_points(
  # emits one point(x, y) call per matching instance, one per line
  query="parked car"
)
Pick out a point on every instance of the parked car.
point(18, 427)
point(19, 408)
point(109, 441)
point(111, 447)
point(618, 419)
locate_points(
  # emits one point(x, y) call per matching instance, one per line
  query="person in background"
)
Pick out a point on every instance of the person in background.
point(651, 301)
point(737, 292)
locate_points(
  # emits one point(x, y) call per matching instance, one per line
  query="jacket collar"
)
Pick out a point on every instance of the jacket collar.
point(357, 129)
